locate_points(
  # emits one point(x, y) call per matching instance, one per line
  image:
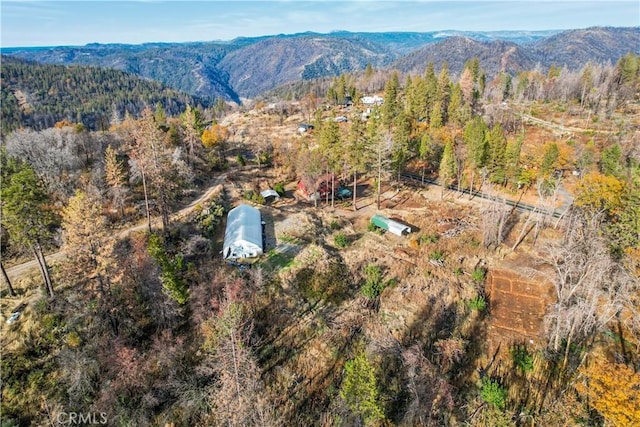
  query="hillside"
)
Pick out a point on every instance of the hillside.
point(245, 67)
point(187, 67)
point(598, 44)
point(269, 63)
point(39, 95)
point(494, 56)
point(572, 49)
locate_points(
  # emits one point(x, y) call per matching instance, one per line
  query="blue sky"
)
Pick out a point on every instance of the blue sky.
point(53, 23)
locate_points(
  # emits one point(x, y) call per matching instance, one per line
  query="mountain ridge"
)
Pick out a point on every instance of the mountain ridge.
point(245, 67)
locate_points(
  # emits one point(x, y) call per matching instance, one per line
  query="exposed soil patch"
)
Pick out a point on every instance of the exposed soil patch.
point(518, 304)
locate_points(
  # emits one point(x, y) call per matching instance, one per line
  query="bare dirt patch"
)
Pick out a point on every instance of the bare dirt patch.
point(518, 302)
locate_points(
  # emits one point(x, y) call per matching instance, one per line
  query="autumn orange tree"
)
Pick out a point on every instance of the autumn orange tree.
point(598, 192)
point(613, 389)
point(215, 137)
point(619, 202)
point(87, 238)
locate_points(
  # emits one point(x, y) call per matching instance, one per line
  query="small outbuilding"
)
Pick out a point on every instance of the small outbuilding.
point(304, 127)
point(269, 193)
point(243, 234)
point(395, 227)
point(316, 189)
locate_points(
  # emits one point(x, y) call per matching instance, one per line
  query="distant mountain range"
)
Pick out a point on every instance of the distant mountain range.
point(247, 67)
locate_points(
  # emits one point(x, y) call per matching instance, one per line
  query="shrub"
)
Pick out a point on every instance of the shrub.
point(360, 390)
point(172, 268)
point(373, 286)
point(428, 238)
point(341, 240)
point(209, 218)
point(493, 393)
point(335, 225)
point(254, 197)
point(521, 358)
point(278, 187)
point(477, 303)
point(241, 160)
point(264, 158)
point(414, 243)
point(478, 275)
point(216, 161)
point(330, 284)
point(371, 227)
point(437, 255)
point(73, 339)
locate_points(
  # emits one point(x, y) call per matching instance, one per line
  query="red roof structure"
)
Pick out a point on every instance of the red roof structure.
point(317, 188)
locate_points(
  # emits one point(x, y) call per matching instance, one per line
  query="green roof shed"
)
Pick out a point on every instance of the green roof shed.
point(390, 225)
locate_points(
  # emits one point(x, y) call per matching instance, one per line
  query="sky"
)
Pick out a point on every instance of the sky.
point(62, 23)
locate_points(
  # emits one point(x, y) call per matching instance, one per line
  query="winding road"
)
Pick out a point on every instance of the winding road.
point(17, 271)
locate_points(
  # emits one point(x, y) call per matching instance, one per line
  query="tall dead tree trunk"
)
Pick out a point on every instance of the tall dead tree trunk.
point(333, 189)
point(355, 181)
point(5, 276)
point(146, 198)
point(326, 189)
point(379, 178)
point(44, 269)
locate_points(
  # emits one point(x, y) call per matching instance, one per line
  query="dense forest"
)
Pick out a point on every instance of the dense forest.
point(185, 67)
point(37, 96)
point(132, 316)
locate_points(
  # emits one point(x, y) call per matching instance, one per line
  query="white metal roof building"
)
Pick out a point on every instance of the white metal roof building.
point(390, 225)
point(243, 234)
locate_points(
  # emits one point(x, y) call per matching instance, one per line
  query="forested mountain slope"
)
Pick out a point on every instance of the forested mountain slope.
point(245, 67)
point(494, 57)
point(570, 48)
point(188, 67)
point(39, 95)
point(272, 62)
point(599, 44)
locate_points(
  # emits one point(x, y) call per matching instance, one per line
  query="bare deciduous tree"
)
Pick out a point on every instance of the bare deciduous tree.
point(495, 218)
point(56, 154)
point(239, 397)
point(430, 395)
point(591, 287)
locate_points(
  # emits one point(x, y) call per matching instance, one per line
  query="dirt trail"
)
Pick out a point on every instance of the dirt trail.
point(561, 128)
point(20, 270)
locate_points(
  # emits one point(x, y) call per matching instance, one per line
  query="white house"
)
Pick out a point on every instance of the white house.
point(372, 100)
point(243, 235)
